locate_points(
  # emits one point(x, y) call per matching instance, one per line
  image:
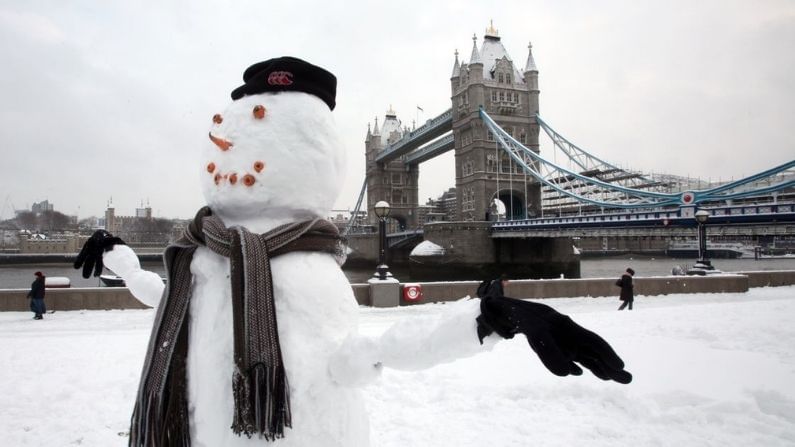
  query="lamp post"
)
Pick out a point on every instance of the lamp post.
point(701, 217)
point(382, 211)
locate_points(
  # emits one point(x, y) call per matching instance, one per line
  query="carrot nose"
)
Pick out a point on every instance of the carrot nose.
point(222, 144)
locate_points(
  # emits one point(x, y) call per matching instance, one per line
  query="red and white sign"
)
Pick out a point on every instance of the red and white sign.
point(412, 292)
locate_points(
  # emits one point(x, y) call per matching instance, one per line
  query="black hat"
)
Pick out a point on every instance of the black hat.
point(288, 74)
point(630, 271)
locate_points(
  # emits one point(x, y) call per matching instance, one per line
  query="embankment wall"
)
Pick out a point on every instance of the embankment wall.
point(106, 298)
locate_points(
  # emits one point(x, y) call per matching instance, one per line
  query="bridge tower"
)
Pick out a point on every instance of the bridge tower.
point(483, 172)
point(395, 181)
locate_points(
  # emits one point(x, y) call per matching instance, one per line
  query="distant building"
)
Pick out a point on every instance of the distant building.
point(9, 239)
point(141, 229)
point(144, 213)
point(42, 206)
point(443, 209)
point(56, 243)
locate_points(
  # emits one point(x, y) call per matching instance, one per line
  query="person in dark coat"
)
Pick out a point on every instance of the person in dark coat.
point(36, 296)
point(627, 294)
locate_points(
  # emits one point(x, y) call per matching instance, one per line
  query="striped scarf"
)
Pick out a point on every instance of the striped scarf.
point(259, 383)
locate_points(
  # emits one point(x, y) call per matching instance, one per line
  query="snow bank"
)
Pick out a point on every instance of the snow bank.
point(710, 370)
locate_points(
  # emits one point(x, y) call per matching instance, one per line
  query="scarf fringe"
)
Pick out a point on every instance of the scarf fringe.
point(149, 428)
point(262, 402)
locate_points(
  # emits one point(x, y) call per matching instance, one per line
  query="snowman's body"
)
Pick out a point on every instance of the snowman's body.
point(295, 160)
point(316, 311)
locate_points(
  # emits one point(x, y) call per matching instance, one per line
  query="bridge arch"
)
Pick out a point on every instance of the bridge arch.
point(514, 201)
point(397, 222)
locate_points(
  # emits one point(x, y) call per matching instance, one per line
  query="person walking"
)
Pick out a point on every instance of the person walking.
point(627, 294)
point(36, 296)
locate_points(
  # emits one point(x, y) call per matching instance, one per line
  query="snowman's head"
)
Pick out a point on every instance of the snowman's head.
point(273, 152)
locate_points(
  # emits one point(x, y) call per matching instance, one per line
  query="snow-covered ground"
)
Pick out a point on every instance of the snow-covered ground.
point(710, 370)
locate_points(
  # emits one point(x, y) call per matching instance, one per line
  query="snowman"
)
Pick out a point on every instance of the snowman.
point(255, 336)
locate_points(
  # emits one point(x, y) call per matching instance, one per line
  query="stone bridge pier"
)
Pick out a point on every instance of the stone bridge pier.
point(469, 252)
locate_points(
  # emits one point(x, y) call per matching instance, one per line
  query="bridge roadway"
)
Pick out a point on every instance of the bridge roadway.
point(738, 220)
point(432, 129)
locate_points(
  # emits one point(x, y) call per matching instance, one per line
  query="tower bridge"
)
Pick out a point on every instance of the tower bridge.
point(501, 178)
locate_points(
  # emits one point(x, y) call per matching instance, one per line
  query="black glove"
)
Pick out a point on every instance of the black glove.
point(557, 340)
point(90, 256)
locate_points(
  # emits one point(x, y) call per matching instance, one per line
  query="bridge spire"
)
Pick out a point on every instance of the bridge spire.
point(375, 127)
point(491, 31)
point(531, 63)
point(475, 57)
point(456, 66)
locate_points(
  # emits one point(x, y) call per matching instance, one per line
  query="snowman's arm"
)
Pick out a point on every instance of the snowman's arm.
point(414, 343)
point(562, 345)
point(145, 285)
point(423, 341)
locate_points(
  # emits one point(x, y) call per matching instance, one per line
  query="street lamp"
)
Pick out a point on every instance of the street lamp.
point(382, 211)
point(701, 217)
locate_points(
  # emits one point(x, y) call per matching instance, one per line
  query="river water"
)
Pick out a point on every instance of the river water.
point(21, 276)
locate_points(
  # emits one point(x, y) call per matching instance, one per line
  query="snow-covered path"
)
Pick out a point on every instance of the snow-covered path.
point(710, 370)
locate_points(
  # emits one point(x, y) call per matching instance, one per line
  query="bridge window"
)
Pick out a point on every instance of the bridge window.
point(468, 168)
point(499, 78)
point(493, 96)
point(468, 202)
point(491, 163)
point(397, 179)
point(502, 96)
point(507, 78)
point(489, 136)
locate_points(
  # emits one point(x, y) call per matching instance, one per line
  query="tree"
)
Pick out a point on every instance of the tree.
point(26, 220)
point(53, 221)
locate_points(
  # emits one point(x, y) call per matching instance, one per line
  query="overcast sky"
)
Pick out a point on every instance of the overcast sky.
point(112, 99)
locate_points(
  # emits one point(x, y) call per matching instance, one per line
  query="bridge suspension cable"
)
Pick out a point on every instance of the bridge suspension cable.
point(355, 213)
point(625, 190)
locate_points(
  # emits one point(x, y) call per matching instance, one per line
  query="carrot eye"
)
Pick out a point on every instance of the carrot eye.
point(248, 180)
point(217, 119)
point(259, 112)
point(211, 167)
point(259, 166)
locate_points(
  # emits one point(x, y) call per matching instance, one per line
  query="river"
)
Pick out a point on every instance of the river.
point(20, 276)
